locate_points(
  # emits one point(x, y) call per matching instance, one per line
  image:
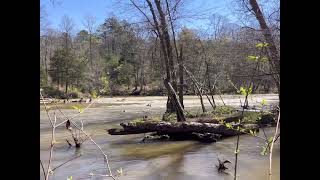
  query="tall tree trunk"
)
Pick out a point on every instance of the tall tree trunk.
point(90, 50)
point(179, 58)
point(166, 36)
point(45, 58)
point(174, 97)
point(67, 80)
point(170, 105)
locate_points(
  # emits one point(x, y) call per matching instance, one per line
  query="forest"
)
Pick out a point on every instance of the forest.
point(118, 57)
point(169, 90)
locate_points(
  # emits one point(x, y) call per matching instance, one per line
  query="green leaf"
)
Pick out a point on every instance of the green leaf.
point(251, 132)
point(252, 58)
point(263, 102)
point(237, 151)
point(228, 125)
point(250, 90)
point(69, 178)
point(264, 59)
point(243, 91)
point(260, 45)
point(270, 139)
point(80, 109)
point(264, 151)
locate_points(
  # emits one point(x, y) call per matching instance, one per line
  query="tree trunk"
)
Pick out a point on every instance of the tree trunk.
point(90, 50)
point(175, 101)
point(170, 106)
point(180, 128)
point(179, 58)
point(181, 76)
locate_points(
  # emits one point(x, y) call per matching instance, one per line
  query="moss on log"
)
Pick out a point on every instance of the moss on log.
point(180, 128)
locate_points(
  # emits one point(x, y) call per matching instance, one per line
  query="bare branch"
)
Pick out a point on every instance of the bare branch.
point(273, 140)
point(44, 172)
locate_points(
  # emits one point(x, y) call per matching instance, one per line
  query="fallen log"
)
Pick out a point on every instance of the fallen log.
point(180, 128)
point(202, 137)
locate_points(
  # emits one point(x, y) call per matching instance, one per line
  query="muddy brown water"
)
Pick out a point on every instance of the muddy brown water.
point(166, 160)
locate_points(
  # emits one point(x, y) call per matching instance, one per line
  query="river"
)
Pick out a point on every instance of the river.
point(168, 160)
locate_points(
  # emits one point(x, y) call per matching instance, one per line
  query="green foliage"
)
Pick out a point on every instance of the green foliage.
point(237, 151)
point(93, 94)
point(50, 91)
point(69, 178)
point(261, 45)
point(118, 69)
point(74, 93)
point(229, 125)
point(79, 108)
point(65, 67)
point(194, 115)
point(221, 110)
point(43, 77)
point(252, 58)
point(169, 117)
point(253, 133)
point(104, 85)
point(264, 151)
point(191, 115)
point(264, 59)
point(245, 91)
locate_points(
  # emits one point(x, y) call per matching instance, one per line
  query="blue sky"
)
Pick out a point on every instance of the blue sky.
point(101, 9)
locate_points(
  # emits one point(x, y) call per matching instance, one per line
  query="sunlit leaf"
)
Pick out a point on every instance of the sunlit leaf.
point(80, 109)
point(228, 125)
point(243, 91)
point(251, 132)
point(264, 151)
point(260, 45)
point(237, 151)
point(264, 59)
point(252, 58)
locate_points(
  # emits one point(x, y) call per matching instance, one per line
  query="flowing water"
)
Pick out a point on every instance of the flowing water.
point(166, 160)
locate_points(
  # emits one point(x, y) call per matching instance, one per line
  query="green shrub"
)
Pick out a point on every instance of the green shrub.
point(50, 91)
point(73, 95)
point(220, 110)
point(169, 117)
point(258, 117)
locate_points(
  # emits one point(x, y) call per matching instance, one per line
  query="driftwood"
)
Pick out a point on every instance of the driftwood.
point(180, 128)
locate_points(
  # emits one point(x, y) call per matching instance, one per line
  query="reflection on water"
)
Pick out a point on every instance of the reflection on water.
point(169, 160)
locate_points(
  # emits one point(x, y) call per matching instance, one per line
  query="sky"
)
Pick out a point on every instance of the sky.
point(101, 9)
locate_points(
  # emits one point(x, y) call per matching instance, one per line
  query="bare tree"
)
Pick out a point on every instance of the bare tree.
point(89, 23)
point(66, 27)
